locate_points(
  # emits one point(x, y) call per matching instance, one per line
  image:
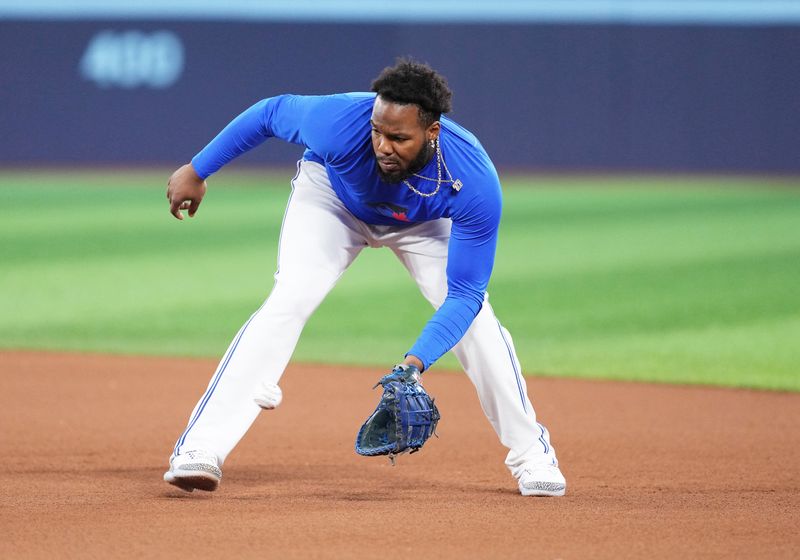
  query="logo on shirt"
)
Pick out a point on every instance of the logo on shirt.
point(391, 210)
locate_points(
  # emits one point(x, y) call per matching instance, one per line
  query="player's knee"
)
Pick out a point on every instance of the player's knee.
point(298, 296)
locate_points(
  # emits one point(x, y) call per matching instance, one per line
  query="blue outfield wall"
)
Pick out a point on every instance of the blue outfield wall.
point(547, 97)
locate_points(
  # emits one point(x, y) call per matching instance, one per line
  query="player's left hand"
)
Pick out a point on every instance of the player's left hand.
point(185, 191)
point(404, 419)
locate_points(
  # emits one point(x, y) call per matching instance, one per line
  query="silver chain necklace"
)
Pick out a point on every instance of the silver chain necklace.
point(439, 180)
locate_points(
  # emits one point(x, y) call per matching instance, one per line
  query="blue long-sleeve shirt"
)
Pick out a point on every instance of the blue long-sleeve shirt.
point(336, 132)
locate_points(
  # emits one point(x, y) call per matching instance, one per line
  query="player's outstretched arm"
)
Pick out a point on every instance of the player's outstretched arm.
point(185, 191)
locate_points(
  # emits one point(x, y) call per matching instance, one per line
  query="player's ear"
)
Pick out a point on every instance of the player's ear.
point(432, 133)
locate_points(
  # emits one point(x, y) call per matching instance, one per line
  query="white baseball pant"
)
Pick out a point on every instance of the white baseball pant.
point(319, 239)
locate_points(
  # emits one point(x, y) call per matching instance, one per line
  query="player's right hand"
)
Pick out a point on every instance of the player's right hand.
point(185, 191)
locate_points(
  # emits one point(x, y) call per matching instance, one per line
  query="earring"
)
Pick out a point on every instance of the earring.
point(433, 143)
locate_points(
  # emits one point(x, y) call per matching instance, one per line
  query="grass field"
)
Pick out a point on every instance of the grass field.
point(674, 280)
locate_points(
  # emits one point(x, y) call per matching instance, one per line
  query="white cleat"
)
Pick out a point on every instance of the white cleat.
point(194, 470)
point(545, 480)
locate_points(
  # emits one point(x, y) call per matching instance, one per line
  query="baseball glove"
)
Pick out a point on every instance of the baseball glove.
point(404, 419)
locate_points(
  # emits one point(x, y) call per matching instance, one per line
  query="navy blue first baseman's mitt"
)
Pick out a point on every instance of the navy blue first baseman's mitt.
point(404, 419)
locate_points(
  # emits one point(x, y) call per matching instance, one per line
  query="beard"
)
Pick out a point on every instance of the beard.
point(420, 160)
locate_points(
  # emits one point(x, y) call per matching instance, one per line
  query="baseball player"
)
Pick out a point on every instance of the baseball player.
point(380, 169)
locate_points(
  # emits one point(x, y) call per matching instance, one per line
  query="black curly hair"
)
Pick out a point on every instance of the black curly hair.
point(411, 82)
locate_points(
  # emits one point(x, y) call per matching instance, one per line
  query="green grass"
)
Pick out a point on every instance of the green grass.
point(675, 280)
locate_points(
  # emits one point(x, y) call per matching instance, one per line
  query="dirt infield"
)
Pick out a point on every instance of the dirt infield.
point(652, 471)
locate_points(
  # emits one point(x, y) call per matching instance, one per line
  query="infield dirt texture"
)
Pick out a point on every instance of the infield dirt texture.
point(653, 471)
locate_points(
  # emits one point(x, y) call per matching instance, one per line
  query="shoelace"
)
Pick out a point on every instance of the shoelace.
point(198, 455)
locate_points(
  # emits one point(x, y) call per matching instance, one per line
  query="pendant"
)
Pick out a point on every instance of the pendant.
point(457, 184)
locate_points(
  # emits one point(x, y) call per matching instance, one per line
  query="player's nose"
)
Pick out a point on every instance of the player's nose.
point(384, 147)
